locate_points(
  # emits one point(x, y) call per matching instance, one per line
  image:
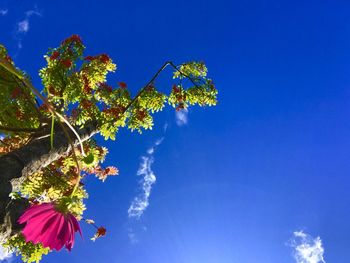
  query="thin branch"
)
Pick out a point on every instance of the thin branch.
point(14, 129)
point(147, 85)
point(183, 74)
point(152, 80)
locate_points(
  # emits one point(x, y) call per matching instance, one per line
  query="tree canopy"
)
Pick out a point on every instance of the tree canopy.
point(47, 145)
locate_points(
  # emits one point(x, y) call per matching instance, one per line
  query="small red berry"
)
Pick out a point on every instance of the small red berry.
point(75, 38)
point(67, 63)
point(19, 114)
point(89, 58)
point(141, 115)
point(44, 107)
point(8, 58)
point(16, 93)
point(104, 58)
point(87, 89)
point(85, 104)
point(181, 106)
point(176, 89)
point(123, 85)
point(54, 55)
point(105, 87)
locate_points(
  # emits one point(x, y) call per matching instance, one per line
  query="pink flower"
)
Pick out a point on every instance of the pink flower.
point(48, 226)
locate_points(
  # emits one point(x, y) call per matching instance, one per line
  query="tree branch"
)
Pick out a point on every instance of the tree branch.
point(147, 85)
point(14, 129)
point(183, 74)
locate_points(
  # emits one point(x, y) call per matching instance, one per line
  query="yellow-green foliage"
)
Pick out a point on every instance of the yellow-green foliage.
point(30, 252)
point(18, 106)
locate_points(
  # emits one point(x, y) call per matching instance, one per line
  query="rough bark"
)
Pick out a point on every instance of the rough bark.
point(17, 165)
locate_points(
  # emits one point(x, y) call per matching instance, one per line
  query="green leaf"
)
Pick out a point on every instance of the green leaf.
point(89, 159)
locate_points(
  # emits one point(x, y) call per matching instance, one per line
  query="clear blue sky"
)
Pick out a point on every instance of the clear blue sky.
point(237, 180)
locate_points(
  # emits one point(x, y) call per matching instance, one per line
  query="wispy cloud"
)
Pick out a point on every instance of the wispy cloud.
point(23, 26)
point(141, 201)
point(3, 12)
point(132, 236)
point(165, 127)
point(306, 248)
point(30, 13)
point(181, 117)
point(4, 255)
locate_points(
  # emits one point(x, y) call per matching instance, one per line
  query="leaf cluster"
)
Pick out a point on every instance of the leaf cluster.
point(18, 106)
point(29, 251)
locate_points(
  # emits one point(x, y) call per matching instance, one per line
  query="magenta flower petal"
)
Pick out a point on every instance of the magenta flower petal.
point(51, 228)
point(65, 233)
point(33, 211)
point(76, 225)
point(48, 232)
point(58, 244)
point(32, 230)
point(71, 237)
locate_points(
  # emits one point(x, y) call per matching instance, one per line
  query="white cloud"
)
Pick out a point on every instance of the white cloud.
point(165, 127)
point(306, 248)
point(150, 150)
point(132, 236)
point(4, 255)
point(3, 12)
point(141, 201)
point(181, 117)
point(23, 26)
point(33, 12)
point(159, 141)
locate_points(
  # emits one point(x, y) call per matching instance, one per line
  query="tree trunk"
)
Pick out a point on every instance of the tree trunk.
point(16, 166)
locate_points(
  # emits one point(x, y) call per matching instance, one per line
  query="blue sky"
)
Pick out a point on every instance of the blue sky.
point(237, 182)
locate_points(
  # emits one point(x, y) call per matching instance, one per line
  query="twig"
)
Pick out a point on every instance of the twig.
point(183, 74)
point(147, 85)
